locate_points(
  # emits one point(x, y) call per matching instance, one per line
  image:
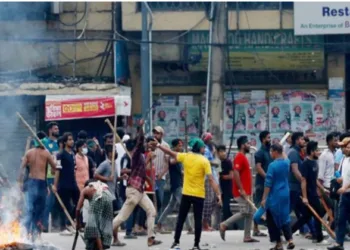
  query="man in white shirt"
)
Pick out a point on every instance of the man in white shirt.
point(344, 191)
point(161, 162)
point(326, 161)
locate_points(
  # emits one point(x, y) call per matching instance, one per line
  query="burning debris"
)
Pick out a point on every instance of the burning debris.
point(12, 234)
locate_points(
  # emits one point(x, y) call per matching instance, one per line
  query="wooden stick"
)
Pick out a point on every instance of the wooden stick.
point(186, 135)
point(29, 139)
point(329, 212)
point(42, 145)
point(329, 230)
point(254, 207)
point(113, 152)
point(117, 136)
point(66, 212)
point(30, 130)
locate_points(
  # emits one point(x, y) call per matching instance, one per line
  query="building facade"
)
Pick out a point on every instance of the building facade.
point(268, 65)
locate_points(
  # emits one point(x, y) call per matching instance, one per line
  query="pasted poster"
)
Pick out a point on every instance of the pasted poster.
point(279, 117)
point(193, 121)
point(294, 96)
point(276, 138)
point(323, 116)
point(167, 118)
point(302, 116)
point(257, 116)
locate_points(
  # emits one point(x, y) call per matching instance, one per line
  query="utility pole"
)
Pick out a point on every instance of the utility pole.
point(145, 73)
point(216, 103)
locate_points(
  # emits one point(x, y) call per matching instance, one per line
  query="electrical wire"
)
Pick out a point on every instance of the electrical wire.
point(78, 21)
point(187, 31)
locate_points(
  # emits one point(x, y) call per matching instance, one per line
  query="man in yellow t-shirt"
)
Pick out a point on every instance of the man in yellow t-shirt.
point(196, 168)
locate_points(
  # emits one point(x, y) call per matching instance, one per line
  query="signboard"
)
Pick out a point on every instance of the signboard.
point(321, 18)
point(80, 107)
point(261, 50)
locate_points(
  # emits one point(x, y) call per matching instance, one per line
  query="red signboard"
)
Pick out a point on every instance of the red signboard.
point(79, 108)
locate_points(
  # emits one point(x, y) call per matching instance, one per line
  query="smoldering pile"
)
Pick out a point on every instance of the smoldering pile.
point(12, 234)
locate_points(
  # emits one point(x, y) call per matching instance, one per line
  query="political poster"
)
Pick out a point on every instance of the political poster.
point(302, 116)
point(279, 117)
point(257, 116)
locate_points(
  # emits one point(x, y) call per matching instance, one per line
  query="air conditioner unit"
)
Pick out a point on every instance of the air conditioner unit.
point(55, 8)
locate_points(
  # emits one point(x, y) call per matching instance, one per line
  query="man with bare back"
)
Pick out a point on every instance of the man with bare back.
point(36, 188)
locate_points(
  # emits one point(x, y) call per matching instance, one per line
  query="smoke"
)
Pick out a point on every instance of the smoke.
point(24, 20)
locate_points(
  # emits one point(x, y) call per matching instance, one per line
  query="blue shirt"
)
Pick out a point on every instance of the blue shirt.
point(263, 157)
point(209, 155)
point(295, 158)
point(278, 200)
point(338, 156)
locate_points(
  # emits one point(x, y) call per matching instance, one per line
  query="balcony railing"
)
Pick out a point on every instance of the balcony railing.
point(200, 6)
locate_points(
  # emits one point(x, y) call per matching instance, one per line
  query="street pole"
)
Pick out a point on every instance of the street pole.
point(145, 74)
point(218, 71)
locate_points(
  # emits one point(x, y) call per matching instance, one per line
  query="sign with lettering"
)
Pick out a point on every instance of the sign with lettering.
point(261, 50)
point(321, 18)
point(81, 107)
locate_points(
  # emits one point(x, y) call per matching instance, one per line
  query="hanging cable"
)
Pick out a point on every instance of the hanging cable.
point(78, 21)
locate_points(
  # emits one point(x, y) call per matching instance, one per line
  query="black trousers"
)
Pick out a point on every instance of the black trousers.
point(226, 209)
point(185, 206)
point(274, 231)
point(70, 198)
point(306, 215)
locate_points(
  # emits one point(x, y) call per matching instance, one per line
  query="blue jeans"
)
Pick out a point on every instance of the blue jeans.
point(160, 197)
point(174, 200)
point(343, 210)
point(35, 199)
point(50, 201)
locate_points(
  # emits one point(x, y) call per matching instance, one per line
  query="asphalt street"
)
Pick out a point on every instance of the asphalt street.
point(210, 240)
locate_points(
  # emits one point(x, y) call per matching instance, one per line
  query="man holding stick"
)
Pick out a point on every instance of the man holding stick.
point(242, 191)
point(309, 185)
point(37, 159)
point(196, 169)
point(135, 194)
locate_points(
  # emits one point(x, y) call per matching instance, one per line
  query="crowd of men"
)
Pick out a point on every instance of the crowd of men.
point(289, 178)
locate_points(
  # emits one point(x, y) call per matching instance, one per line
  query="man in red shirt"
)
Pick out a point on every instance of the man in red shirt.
point(242, 190)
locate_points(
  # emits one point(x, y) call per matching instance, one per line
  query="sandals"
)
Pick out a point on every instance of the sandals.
point(259, 234)
point(251, 240)
point(290, 245)
point(118, 244)
point(154, 242)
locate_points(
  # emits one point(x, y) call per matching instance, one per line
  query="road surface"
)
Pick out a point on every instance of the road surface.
point(210, 241)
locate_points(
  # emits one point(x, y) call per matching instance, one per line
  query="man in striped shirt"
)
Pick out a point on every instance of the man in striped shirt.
point(161, 162)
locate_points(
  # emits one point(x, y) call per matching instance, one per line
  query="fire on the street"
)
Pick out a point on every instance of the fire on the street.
point(9, 233)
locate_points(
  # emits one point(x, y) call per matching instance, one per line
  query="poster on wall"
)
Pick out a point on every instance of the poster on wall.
point(297, 95)
point(257, 116)
point(276, 138)
point(167, 118)
point(193, 121)
point(280, 118)
point(302, 116)
point(323, 116)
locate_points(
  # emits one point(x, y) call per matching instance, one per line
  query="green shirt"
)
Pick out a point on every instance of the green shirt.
point(52, 147)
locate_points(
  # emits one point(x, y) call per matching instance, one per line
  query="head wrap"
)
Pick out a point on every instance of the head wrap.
point(90, 143)
point(196, 141)
point(207, 136)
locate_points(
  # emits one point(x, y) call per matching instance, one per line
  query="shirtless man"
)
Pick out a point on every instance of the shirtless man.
point(37, 160)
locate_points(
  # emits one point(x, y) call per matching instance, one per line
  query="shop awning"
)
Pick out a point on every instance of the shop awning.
point(69, 107)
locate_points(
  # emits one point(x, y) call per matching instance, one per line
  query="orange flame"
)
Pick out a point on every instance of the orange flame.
point(9, 233)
